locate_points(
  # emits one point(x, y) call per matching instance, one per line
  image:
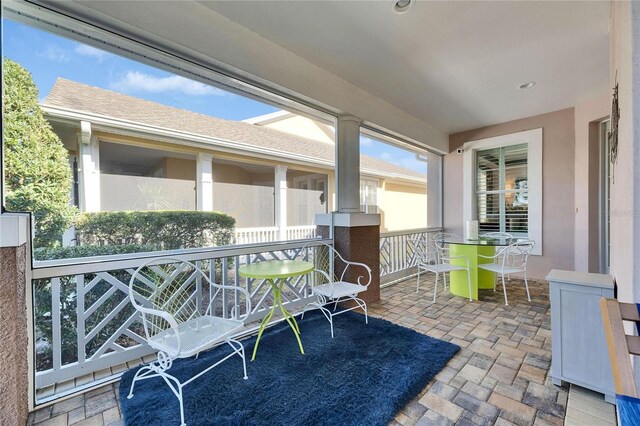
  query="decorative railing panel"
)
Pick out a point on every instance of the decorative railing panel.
point(399, 252)
point(84, 322)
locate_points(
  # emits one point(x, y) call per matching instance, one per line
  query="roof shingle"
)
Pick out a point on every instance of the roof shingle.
point(84, 98)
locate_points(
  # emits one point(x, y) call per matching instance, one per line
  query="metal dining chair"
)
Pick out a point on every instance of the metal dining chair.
point(437, 259)
point(167, 293)
point(330, 284)
point(511, 259)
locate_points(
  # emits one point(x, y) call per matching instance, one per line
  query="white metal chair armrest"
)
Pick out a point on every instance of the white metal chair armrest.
point(366, 267)
point(235, 308)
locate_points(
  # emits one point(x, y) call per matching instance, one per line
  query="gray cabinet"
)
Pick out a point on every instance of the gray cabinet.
point(579, 350)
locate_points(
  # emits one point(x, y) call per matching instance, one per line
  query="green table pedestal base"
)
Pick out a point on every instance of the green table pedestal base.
point(480, 278)
point(277, 301)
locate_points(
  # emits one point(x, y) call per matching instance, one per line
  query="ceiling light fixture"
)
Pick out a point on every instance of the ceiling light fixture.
point(401, 6)
point(527, 85)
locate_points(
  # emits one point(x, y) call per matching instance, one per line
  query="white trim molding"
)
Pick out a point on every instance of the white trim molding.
point(14, 229)
point(533, 139)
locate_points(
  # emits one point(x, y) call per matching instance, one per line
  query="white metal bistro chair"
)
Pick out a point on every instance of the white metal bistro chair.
point(437, 259)
point(511, 259)
point(441, 236)
point(329, 288)
point(168, 294)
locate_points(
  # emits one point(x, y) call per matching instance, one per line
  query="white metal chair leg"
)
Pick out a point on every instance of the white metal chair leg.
point(444, 277)
point(504, 289)
point(526, 286)
point(435, 289)
point(181, 407)
point(143, 371)
point(418, 283)
point(331, 324)
point(469, 280)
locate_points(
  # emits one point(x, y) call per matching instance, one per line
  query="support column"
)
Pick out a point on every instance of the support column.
point(356, 236)
point(88, 169)
point(280, 193)
point(348, 164)
point(434, 190)
point(204, 182)
point(15, 383)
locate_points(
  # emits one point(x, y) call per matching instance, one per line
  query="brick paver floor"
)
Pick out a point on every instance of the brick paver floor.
point(500, 376)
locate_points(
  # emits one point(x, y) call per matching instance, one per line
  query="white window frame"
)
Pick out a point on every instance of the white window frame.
point(364, 178)
point(533, 139)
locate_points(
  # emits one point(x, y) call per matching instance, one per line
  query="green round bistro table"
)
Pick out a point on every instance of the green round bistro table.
point(480, 278)
point(275, 272)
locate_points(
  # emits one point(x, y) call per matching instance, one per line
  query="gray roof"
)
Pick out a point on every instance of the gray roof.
point(84, 98)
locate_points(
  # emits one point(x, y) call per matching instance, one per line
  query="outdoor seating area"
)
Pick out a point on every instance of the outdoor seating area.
point(499, 375)
point(300, 213)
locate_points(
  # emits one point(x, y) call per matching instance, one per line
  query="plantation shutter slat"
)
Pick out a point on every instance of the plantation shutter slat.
point(502, 190)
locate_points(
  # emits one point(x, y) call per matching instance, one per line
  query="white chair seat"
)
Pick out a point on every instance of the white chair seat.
point(196, 335)
point(496, 267)
point(338, 289)
point(441, 267)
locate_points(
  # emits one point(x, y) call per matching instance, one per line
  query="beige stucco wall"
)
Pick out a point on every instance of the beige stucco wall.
point(588, 115)
point(305, 127)
point(625, 190)
point(231, 174)
point(179, 168)
point(558, 185)
point(14, 336)
point(402, 207)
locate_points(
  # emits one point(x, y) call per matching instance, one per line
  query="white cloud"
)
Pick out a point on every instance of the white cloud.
point(54, 53)
point(365, 141)
point(84, 50)
point(135, 81)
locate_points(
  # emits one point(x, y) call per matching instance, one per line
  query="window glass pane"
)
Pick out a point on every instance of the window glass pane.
point(393, 183)
point(502, 189)
point(152, 160)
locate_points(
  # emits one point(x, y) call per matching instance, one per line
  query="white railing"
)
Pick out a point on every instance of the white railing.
point(256, 235)
point(301, 232)
point(399, 254)
point(84, 322)
point(272, 233)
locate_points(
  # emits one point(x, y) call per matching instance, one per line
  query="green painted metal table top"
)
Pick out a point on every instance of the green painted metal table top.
point(273, 269)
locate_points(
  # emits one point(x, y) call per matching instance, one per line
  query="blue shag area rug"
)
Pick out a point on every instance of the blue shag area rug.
point(363, 376)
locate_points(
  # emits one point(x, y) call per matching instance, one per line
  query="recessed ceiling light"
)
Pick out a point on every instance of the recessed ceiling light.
point(527, 85)
point(401, 6)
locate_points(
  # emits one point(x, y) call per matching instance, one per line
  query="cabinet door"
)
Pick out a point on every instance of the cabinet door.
point(583, 353)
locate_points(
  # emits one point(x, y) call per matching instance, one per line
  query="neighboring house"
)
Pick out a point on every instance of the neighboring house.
point(273, 172)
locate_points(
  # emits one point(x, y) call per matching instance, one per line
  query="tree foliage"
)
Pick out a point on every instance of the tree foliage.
point(37, 173)
point(162, 229)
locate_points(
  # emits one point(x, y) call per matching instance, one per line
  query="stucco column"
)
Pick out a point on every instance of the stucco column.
point(356, 236)
point(14, 351)
point(280, 193)
point(88, 169)
point(204, 182)
point(434, 190)
point(348, 164)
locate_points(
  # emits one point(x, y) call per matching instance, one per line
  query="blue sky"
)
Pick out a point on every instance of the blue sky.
point(48, 57)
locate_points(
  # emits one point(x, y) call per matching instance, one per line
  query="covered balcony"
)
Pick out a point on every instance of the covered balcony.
point(405, 151)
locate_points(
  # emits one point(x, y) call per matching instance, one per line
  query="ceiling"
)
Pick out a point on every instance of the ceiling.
point(453, 64)
point(440, 68)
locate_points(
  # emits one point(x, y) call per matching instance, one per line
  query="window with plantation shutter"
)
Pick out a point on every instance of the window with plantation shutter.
point(502, 190)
